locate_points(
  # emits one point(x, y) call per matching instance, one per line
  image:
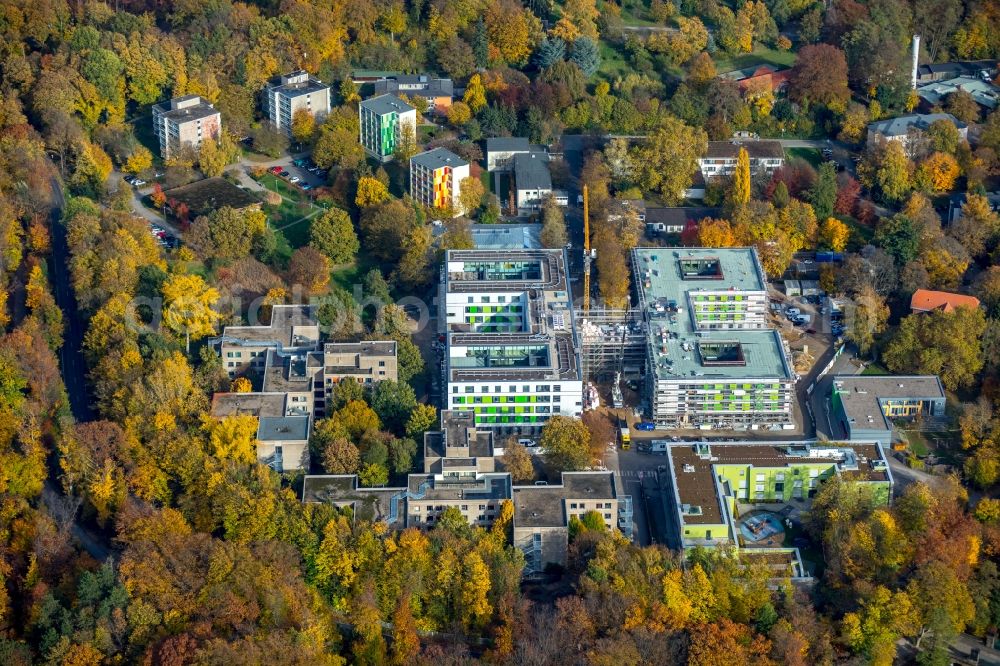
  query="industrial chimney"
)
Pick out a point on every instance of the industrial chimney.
point(916, 58)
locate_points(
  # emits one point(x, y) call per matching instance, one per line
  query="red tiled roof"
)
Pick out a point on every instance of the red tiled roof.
point(925, 300)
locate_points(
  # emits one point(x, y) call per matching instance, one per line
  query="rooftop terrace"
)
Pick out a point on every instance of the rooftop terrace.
point(505, 270)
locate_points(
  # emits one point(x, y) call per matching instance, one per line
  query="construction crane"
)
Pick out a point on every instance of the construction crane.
point(586, 252)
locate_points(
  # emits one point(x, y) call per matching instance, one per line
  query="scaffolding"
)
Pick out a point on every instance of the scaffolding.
point(612, 341)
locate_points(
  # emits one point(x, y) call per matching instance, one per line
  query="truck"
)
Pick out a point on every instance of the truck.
point(624, 436)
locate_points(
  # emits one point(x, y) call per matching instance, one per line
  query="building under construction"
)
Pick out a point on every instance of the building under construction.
point(612, 340)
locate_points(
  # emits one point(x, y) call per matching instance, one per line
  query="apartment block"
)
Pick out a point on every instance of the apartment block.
point(720, 159)
point(382, 121)
point(512, 352)
point(436, 179)
point(733, 494)
point(712, 360)
point(185, 121)
point(458, 475)
point(286, 94)
point(867, 405)
point(911, 130)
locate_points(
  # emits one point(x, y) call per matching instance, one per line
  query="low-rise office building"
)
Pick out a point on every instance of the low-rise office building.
point(512, 353)
point(720, 160)
point(282, 426)
point(382, 121)
point(286, 94)
point(367, 362)
point(184, 122)
point(721, 490)
point(712, 359)
point(292, 329)
point(866, 405)
point(501, 150)
point(436, 179)
point(438, 92)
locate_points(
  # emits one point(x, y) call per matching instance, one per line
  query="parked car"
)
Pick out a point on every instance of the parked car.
point(284, 174)
point(129, 179)
point(299, 163)
point(138, 182)
point(294, 179)
point(275, 170)
point(645, 425)
point(306, 187)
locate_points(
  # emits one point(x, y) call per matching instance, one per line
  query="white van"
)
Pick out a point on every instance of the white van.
point(792, 312)
point(527, 442)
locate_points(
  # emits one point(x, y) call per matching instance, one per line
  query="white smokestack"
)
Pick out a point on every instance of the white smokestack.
point(916, 58)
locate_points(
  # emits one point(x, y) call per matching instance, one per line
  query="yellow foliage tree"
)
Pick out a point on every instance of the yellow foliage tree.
point(834, 234)
point(475, 589)
point(741, 179)
point(459, 113)
point(241, 385)
point(140, 160)
point(36, 289)
point(475, 94)
point(565, 30)
point(938, 172)
point(187, 307)
point(232, 438)
point(371, 192)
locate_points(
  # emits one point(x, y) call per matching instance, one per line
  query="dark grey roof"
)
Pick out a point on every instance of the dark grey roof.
point(419, 84)
point(901, 125)
point(283, 428)
point(507, 144)
point(385, 104)
point(531, 172)
point(437, 158)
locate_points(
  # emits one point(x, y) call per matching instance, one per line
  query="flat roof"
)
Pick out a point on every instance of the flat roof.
point(256, 404)
point(659, 279)
point(303, 84)
point(438, 158)
point(364, 348)
point(384, 104)
point(471, 279)
point(506, 236)
point(545, 506)
point(696, 483)
point(531, 172)
point(755, 149)
point(860, 395)
point(204, 196)
point(179, 109)
point(983, 92)
point(288, 374)
point(283, 428)
point(290, 326)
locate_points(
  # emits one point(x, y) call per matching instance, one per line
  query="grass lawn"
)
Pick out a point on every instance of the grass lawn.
point(630, 17)
point(759, 56)
point(291, 217)
point(875, 369)
point(613, 62)
point(811, 155)
point(918, 445)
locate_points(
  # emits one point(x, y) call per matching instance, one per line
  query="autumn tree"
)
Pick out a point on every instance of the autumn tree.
point(309, 269)
point(303, 125)
point(834, 234)
point(947, 344)
point(187, 307)
point(670, 157)
point(470, 194)
point(868, 317)
point(332, 233)
point(553, 233)
point(566, 442)
point(937, 173)
point(715, 233)
point(475, 94)
point(517, 461)
point(820, 76)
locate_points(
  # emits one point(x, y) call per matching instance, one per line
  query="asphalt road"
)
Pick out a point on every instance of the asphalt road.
point(71, 362)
